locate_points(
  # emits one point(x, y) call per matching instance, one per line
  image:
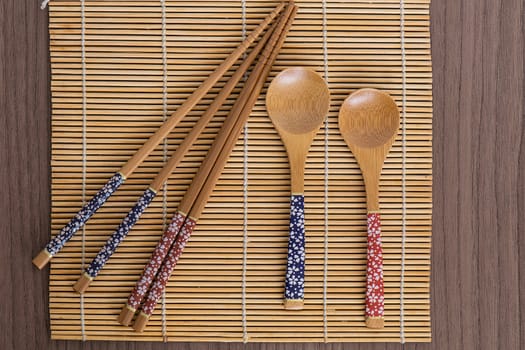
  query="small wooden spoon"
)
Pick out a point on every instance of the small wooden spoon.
point(297, 101)
point(368, 121)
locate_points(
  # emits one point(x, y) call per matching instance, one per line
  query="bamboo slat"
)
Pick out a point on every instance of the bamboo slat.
point(228, 284)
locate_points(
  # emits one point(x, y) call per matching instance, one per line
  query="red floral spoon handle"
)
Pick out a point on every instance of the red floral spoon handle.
point(375, 294)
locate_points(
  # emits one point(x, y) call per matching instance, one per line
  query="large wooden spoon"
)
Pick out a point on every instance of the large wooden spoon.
point(297, 101)
point(368, 121)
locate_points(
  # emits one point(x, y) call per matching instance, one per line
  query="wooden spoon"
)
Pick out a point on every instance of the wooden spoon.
point(297, 101)
point(368, 121)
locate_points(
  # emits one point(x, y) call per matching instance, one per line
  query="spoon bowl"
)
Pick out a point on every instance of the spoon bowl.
point(297, 101)
point(369, 121)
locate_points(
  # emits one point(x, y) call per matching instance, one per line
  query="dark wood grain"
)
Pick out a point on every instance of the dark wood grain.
point(478, 251)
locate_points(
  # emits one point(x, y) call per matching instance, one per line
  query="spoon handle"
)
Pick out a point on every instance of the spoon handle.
point(375, 294)
point(294, 284)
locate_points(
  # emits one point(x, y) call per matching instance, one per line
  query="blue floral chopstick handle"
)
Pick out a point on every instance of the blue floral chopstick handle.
point(122, 231)
point(294, 284)
point(68, 231)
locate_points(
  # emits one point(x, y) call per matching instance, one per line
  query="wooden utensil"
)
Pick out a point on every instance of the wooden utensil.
point(297, 101)
point(214, 164)
point(368, 121)
point(58, 242)
point(181, 218)
point(134, 214)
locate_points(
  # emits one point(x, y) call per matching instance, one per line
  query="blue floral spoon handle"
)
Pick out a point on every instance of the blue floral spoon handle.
point(294, 283)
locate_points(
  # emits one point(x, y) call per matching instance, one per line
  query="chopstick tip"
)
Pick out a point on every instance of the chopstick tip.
point(83, 283)
point(41, 260)
point(126, 315)
point(141, 322)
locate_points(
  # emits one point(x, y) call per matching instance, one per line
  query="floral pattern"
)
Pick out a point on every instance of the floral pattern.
point(294, 285)
point(84, 214)
point(167, 268)
point(155, 262)
point(375, 295)
point(122, 231)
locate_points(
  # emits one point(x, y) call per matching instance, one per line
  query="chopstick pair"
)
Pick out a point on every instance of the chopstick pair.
point(68, 231)
point(152, 283)
point(118, 236)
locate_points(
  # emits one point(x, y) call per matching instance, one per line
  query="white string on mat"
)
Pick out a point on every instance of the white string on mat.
point(84, 151)
point(44, 4)
point(403, 171)
point(165, 149)
point(326, 167)
point(245, 201)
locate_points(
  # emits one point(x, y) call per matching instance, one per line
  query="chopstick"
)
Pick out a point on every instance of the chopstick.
point(160, 252)
point(243, 109)
point(58, 242)
point(93, 269)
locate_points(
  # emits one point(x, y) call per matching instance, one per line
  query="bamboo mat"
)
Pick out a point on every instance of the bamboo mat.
point(117, 71)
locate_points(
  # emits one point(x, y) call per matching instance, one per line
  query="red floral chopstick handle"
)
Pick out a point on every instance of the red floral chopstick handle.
point(167, 268)
point(164, 274)
point(375, 294)
point(155, 262)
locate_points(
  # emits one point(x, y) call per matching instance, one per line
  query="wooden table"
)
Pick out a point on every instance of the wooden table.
point(479, 88)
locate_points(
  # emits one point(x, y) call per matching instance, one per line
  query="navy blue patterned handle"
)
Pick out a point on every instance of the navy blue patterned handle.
point(84, 214)
point(294, 286)
point(118, 236)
